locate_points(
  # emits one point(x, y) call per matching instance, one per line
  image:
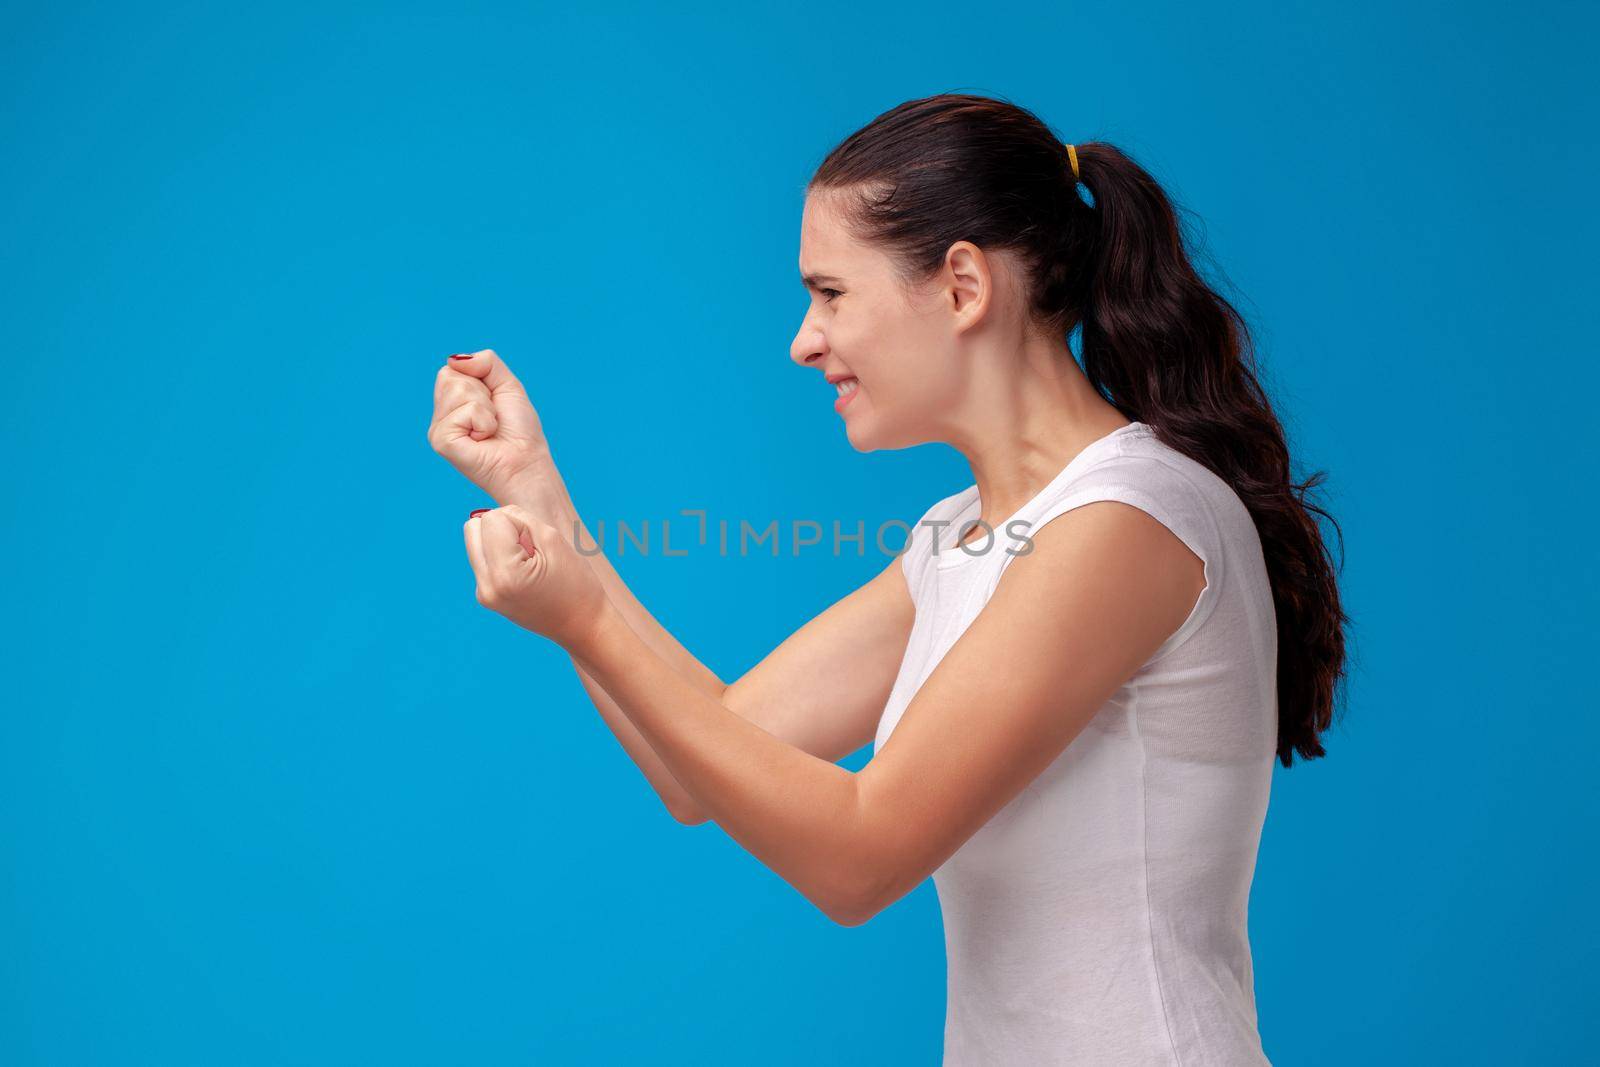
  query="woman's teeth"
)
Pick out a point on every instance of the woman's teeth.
point(846, 386)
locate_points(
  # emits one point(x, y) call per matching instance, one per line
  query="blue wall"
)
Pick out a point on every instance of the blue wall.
point(274, 789)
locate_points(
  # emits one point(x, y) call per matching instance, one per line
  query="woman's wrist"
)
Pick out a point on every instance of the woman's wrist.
point(590, 646)
point(541, 491)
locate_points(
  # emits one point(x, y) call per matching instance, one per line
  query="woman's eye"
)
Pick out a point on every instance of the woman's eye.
point(831, 293)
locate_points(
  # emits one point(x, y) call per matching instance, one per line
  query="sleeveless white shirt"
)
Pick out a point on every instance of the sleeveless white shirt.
point(1100, 917)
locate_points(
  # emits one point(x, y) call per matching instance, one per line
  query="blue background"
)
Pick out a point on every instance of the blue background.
point(274, 789)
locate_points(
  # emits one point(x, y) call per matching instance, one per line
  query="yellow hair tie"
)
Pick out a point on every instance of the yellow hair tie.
point(1072, 154)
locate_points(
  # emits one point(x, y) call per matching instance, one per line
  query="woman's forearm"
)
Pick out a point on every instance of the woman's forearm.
point(798, 814)
point(677, 800)
point(639, 619)
point(552, 501)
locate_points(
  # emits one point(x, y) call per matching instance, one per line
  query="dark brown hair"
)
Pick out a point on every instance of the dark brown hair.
point(1156, 340)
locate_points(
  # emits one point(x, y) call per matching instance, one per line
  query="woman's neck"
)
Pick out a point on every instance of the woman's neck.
point(1024, 420)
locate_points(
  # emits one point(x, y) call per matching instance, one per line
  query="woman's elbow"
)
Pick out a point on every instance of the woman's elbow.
point(689, 815)
point(853, 916)
point(868, 895)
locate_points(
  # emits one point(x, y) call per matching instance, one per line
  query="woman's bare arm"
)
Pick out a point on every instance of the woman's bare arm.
point(1067, 625)
point(821, 690)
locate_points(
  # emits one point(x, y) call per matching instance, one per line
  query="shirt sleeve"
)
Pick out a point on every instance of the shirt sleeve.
point(1165, 494)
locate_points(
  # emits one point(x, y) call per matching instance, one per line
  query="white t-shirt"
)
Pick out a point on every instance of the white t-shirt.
point(1099, 917)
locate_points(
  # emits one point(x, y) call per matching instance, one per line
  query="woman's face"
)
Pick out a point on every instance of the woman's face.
point(865, 331)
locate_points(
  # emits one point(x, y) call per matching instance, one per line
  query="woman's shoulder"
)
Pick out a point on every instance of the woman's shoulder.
point(1144, 458)
point(1146, 464)
point(1147, 474)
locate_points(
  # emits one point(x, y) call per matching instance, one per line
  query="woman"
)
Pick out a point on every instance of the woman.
point(1079, 671)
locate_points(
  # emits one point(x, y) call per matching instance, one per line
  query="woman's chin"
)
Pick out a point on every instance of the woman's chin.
point(867, 433)
point(859, 436)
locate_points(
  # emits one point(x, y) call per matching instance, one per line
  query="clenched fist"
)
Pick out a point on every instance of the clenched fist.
point(485, 425)
point(529, 572)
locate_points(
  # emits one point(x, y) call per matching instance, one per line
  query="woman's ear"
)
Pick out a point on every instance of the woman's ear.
point(969, 282)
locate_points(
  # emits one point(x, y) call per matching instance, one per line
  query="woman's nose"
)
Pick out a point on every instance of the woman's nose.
point(807, 346)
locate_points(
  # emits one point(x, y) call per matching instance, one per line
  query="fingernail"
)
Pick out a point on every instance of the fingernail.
point(476, 512)
point(461, 357)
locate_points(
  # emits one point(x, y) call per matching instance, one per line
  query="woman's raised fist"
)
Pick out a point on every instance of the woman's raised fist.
point(485, 425)
point(527, 571)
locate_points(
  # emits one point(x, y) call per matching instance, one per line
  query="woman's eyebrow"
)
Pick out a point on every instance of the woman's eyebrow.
point(818, 281)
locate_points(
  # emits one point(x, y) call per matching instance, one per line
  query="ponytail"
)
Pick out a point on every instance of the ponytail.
point(1168, 351)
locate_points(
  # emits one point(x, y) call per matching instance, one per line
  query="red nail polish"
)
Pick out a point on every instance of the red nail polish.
point(476, 512)
point(461, 357)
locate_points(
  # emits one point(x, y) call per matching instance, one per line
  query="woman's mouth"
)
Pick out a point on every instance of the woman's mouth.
point(847, 392)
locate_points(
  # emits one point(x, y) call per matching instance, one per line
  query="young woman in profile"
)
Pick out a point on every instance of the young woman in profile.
point(1074, 739)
